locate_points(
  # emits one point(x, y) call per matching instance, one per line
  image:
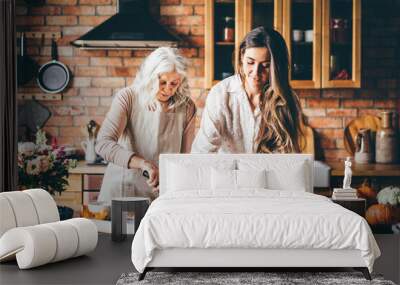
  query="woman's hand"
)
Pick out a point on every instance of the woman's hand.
point(156, 191)
point(152, 170)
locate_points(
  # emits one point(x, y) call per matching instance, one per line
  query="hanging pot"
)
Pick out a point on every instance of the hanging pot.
point(53, 76)
point(26, 66)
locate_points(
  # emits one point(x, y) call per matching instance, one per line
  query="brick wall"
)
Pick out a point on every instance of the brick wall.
point(99, 74)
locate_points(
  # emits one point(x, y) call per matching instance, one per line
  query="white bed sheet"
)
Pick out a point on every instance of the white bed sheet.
point(251, 218)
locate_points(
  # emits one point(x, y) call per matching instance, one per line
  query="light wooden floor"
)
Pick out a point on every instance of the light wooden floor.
point(102, 266)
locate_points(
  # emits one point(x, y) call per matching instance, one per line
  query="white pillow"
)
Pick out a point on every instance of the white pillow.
point(293, 178)
point(227, 179)
point(282, 174)
point(223, 179)
point(251, 178)
point(187, 176)
point(183, 178)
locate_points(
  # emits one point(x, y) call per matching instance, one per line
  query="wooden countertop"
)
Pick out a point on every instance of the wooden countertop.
point(83, 168)
point(373, 169)
point(337, 169)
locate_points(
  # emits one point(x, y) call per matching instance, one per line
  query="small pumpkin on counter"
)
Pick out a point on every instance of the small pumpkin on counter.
point(396, 214)
point(379, 214)
point(366, 191)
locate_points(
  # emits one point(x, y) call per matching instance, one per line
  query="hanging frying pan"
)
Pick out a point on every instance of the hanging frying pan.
point(53, 76)
point(26, 66)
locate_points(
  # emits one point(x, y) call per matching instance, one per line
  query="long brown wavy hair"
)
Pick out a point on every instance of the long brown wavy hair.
point(282, 117)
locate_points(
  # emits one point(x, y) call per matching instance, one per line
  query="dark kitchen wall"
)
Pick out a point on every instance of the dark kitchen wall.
point(97, 75)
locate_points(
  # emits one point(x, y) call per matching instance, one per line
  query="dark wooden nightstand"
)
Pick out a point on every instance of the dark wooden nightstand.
point(118, 220)
point(356, 205)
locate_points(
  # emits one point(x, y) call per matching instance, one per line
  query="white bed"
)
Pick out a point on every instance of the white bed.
point(246, 210)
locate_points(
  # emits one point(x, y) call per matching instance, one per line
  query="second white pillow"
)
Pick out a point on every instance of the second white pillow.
point(237, 179)
point(251, 178)
point(223, 179)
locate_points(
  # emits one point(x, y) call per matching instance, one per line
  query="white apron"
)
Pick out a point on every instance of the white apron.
point(148, 133)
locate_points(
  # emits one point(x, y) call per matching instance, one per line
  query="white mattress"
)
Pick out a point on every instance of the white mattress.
point(253, 218)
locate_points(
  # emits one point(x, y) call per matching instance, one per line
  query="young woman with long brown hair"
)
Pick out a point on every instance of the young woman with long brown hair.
point(254, 110)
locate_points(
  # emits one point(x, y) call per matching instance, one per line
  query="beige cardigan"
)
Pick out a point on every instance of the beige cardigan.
point(130, 128)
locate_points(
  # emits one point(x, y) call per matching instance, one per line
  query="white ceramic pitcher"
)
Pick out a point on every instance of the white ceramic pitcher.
point(88, 147)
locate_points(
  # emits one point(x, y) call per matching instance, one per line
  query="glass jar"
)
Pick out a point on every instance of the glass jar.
point(386, 140)
point(228, 29)
point(340, 31)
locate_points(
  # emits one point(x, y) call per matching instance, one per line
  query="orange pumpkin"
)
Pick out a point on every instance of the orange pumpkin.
point(366, 191)
point(396, 214)
point(379, 214)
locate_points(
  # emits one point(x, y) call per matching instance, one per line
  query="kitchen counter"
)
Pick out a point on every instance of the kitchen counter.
point(84, 168)
point(372, 169)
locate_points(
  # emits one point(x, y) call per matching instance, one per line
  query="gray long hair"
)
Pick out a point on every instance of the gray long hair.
point(161, 60)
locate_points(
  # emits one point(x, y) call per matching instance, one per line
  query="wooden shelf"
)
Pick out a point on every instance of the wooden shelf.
point(373, 169)
point(40, 97)
point(308, 44)
point(41, 35)
point(341, 44)
point(225, 43)
point(225, 1)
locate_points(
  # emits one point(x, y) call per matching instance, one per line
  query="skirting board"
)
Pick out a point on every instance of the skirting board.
point(177, 257)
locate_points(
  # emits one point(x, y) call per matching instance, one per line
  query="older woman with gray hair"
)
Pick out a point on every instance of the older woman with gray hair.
point(154, 115)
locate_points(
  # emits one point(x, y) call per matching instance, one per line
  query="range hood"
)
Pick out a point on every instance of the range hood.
point(132, 27)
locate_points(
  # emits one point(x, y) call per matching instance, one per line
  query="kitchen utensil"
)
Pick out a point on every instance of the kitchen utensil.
point(298, 35)
point(368, 121)
point(340, 32)
point(364, 150)
point(26, 67)
point(229, 29)
point(32, 115)
point(89, 148)
point(309, 36)
point(146, 174)
point(386, 140)
point(53, 76)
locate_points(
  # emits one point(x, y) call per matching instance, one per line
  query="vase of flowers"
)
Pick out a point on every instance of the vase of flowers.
point(43, 166)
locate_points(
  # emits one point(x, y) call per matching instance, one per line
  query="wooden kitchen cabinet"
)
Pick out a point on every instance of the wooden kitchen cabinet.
point(341, 44)
point(302, 32)
point(324, 42)
point(221, 55)
point(323, 38)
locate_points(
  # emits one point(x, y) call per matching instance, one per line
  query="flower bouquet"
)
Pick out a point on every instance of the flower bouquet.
point(43, 166)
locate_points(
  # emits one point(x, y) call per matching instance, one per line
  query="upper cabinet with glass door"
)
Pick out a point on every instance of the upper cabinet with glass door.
point(323, 38)
point(227, 22)
point(302, 32)
point(324, 42)
point(341, 44)
point(220, 34)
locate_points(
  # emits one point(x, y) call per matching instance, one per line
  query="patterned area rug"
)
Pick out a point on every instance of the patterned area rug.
point(229, 278)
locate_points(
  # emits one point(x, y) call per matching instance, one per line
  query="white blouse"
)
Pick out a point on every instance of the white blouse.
point(228, 124)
